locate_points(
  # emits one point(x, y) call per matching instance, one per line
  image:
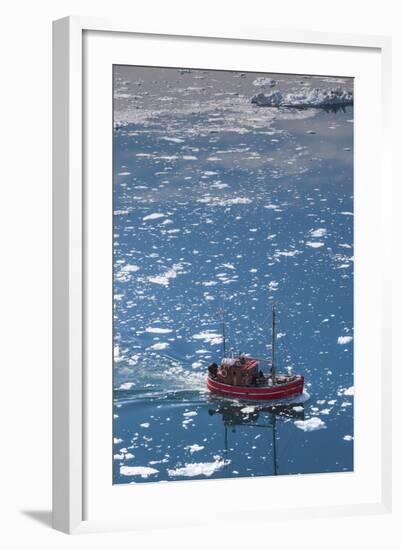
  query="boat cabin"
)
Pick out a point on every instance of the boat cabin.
point(238, 371)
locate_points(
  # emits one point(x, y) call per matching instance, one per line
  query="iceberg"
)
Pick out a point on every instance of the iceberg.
point(315, 97)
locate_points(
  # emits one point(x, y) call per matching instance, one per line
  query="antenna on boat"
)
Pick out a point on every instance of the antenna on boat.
point(273, 368)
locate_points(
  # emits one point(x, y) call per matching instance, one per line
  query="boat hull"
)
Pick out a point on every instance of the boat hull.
point(265, 393)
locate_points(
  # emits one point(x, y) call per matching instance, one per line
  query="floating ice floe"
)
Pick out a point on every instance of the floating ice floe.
point(154, 216)
point(145, 425)
point(342, 340)
point(174, 139)
point(346, 391)
point(321, 232)
point(306, 97)
point(264, 82)
point(313, 244)
point(159, 346)
point(273, 285)
point(199, 469)
point(194, 448)
point(348, 438)
point(209, 337)
point(248, 410)
point(298, 408)
point(158, 330)
point(126, 386)
point(164, 278)
point(124, 274)
point(310, 425)
point(217, 201)
point(143, 471)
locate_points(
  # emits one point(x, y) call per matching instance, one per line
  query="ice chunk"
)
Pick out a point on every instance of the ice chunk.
point(158, 330)
point(342, 340)
point(154, 216)
point(126, 386)
point(209, 337)
point(194, 448)
point(314, 244)
point(199, 469)
point(264, 82)
point(248, 410)
point(159, 346)
point(164, 278)
point(143, 471)
point(310, 425)
point(321, 232)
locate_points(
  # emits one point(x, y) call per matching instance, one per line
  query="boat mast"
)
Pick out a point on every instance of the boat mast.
point(273, 369)
point(223, 330)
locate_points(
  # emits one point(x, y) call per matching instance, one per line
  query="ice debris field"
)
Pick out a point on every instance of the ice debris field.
point(224, 198)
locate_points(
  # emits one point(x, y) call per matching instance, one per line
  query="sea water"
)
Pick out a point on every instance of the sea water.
point(220, 204)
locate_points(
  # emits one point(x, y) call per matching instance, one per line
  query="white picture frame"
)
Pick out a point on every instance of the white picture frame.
point(70, 256)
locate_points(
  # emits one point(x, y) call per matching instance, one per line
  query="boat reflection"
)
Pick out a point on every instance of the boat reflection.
point(234, 415)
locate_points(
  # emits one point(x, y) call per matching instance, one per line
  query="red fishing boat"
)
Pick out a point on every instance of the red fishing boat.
point(239, 376)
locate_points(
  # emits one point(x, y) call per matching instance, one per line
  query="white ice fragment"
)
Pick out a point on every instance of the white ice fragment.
point(158, 330)
point(248, 410)
point(209, 337)
point(164, 278)
point(321, 232)
point(154, 216)
point(342, 340)
point(264, 82)
point(218, 201)
point(159, 346)
point(194, 448)
point(310, 425)
point(145, 425)
point(190, 413)
point(199, 469)
point(313, 244)
point(126, 386)
point(174, 139)
point(143, 471)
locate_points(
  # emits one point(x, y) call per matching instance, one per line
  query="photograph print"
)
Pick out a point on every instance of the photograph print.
point(232, 274)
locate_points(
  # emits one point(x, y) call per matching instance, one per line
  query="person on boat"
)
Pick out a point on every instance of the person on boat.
point(213, 370)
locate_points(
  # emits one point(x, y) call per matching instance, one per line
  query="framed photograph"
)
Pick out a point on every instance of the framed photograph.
point(220, 321)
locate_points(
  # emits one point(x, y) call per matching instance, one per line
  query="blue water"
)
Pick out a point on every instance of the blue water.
point(220, 203)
